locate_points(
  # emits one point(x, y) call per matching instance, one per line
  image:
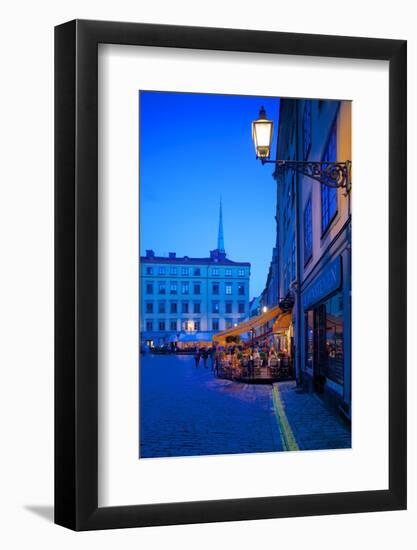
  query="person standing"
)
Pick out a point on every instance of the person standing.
point(205, 357)
point(197, 357)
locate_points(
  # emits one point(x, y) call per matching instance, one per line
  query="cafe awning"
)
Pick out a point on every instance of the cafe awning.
point(283, 322)
point(248, 325)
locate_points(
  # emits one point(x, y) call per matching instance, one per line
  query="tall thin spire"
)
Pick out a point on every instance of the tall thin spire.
point(220, 238)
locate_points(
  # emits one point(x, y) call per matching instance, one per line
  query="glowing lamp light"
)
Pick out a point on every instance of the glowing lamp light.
point(264, 309)
point(262, 132)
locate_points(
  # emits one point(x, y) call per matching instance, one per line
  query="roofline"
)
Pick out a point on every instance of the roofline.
point(191, 261)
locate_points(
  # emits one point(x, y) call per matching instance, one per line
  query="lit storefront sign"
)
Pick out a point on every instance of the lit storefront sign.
point(326, 283)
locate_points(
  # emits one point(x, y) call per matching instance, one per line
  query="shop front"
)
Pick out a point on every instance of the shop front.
point(326, 363)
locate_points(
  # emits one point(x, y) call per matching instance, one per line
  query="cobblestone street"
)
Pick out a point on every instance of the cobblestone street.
point(187, 411)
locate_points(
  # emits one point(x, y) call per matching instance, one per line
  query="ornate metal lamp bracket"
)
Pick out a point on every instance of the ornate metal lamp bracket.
point(332, 174)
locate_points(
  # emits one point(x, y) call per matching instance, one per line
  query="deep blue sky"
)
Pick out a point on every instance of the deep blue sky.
point(194, 149)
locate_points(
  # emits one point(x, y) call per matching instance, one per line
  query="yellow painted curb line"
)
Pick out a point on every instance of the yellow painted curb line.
point(289, 442)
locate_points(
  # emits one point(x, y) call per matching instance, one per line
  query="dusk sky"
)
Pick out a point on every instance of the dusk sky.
point(194, 149)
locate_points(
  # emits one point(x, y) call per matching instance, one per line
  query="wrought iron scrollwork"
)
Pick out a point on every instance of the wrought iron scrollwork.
point(332, 174)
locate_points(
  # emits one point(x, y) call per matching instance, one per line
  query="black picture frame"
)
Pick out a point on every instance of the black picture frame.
point(76, 272)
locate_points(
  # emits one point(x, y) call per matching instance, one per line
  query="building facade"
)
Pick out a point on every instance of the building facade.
point(314, 248)
point(186, 299)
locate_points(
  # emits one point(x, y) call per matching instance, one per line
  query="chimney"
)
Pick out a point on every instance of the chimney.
point(150, 254)
point(172, 255)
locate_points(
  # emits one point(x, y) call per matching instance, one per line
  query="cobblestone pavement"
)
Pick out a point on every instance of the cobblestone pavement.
point(187, 411)
point(313, 425)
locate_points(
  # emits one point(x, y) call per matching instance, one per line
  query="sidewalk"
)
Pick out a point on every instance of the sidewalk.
point(306, 423)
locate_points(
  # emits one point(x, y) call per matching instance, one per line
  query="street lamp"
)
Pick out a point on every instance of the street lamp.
point(331, 174)
point(262, 132)
point(264, 309)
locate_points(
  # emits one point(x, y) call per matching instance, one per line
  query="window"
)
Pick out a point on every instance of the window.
point(308, 232)
point(293, 261)
point(228, 273)
point(174, 307)
point(328, 338)
point(149, 307)
point(149, 271)
point(162, 288)
point(241, 289)
point(306, 129)
point(161, 325)
point(187, 325)
point(215, 307)
point(173, 270)
point(329, 194)
point(161, 270)
point(197, 324)
point(241, 307)
point(215, 324)
point(215, 288)
point(184, 307)
point(185, 287)
point(197, 271)
point(161, 307)
point(149, 325)
point(173, 287)
point(228, 288)
point(229, 306)
point(241, 273)
point(286, 276)
point(229, 323)
point(197, 307)
point(184, 271)
point(309, 331)
point(197, 288)
point(215, 272)
point(149, 288)
point(173, 325)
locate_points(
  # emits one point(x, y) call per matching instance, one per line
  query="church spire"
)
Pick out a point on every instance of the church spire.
point(220, 238)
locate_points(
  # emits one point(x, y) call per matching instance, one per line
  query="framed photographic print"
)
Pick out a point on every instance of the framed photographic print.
point(230, 275)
